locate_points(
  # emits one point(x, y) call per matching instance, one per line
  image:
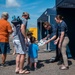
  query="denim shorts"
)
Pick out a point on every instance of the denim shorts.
point(18, 47)
point(4, 48)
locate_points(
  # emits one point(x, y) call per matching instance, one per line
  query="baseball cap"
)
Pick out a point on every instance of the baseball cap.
point(25, 13)
point(5, 14)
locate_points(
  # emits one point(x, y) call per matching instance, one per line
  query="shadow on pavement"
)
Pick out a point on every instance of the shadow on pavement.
point(47, 61)
point(69, 62)
point(39, 65)
point(12, 62)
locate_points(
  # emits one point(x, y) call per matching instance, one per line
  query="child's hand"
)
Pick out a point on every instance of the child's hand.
point(37, 41)
point(55, 42)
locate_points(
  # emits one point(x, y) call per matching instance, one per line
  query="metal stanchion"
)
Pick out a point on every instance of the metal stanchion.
point(48, 45)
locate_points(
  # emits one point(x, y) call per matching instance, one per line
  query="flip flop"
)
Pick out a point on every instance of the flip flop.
point(64, 68)
point(17, 71)
point(27, 72)
point(24, 72)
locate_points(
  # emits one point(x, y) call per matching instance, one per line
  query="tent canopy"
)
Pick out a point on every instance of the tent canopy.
point(65, 3)
point(44, 16)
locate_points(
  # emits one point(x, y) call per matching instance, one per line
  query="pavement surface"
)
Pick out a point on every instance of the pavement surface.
point(44, 65)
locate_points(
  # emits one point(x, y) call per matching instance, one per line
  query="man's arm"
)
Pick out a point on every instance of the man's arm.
point(9, 28)
point(23, 30)
point(10, 31)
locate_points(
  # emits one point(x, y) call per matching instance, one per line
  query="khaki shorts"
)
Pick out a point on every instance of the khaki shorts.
point(18, 47)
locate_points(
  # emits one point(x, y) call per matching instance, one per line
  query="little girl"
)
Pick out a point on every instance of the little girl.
point(29, 35)
point(13, 35)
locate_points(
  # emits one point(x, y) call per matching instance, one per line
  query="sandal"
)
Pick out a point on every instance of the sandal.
point(27, 72)
point(64, 68)
point(24, 72)
point(16, 71)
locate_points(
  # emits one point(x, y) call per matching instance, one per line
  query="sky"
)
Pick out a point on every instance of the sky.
point(34, 7)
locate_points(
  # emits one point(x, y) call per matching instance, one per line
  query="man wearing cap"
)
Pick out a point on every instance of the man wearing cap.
point(5, 30)
point(19, 44)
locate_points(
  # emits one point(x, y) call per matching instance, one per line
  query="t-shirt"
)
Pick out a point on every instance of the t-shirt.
point(28, 41)
point(62, 27)
point(33, 51)
point(15, 36)
point(4, 28)
point(24, 22)
point(53, 30)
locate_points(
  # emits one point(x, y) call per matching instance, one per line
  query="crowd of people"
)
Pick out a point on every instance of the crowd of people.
point(24, 42)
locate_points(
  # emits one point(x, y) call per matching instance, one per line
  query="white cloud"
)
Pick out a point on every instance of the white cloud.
point(12, 3)
point(33, 3)
point(32, 7)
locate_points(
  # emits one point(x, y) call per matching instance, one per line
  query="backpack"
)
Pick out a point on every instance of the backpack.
point(16, 20)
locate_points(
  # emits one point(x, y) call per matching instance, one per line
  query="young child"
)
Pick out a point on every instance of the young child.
point(33, 53)
point(29, 35)
point(13, 35)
